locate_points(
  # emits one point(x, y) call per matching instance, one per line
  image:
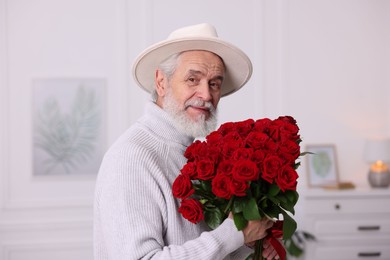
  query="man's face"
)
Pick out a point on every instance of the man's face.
point(194, 90)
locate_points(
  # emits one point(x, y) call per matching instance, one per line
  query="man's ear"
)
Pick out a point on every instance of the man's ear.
point(160, 81)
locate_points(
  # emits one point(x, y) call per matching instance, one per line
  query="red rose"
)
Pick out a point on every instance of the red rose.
point(214, 138)
point(190, 170)
point(262, 125)
point(288, 119)
point(290, 147)
point(191, 209)
point(245, 170)
point(225, 167)
point(275, 128)
point(239, 188)
point(182, 187)
point(289, 132)
point(226, 128)
point(242, 154)
point(287, 178)
point(230, 147)
point(244, 127)
point(271, 146)
point(205, 169)
point(220, 186)
point(192, 150)
point(213, 153)
point(271, 166)
point(282, 129)
point(258, 157)
point(256, 140)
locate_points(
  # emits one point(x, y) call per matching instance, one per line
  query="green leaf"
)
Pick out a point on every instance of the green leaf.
point(206, 185)
point(288, 206)
point(282, 197)
point(251, 211)
point(213, 217)
point(289, 225)
point(238, 204)
point(240, 221)
point(273, 211)
point(255, 188)
point(274, 200)
point(273, 190)
point(292, 196)
point(305, 153)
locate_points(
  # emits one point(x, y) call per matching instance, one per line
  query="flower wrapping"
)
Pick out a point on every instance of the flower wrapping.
point(247, 168)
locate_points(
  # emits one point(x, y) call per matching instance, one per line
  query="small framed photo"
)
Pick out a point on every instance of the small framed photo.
point(322, 166)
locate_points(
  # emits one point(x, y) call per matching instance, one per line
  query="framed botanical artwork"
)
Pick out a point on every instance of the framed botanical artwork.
point(322, 165)
point(69, 125)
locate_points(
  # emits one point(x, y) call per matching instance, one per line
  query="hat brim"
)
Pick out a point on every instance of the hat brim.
point(237, 64)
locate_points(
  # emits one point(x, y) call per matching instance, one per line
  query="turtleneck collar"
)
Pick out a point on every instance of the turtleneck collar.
point(161, 123)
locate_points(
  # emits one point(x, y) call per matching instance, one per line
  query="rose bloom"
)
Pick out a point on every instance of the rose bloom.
point(290, 147)
point(214, 138)
point(230, 147)
point(258, 157)
point(226, 128)
point(242, 154)
point(256, 140)
point(244, 127)
point(289, 131)
point(275, 128)
point(205, 169)
point(271, 166)
point(191, 209)
point(287, 178)
point(283, 128)
point(239, 188)
point(190, 170)
point(262, 125)
point(225, 167)
point(182, 187)
point(213, 153)
point(192, 150)
point(220, 186)
point(232, 137)
point(245, 170)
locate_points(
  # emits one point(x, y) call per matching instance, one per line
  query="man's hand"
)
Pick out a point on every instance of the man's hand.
point(256, 229)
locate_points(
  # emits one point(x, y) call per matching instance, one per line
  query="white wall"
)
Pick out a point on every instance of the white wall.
point(327, 63)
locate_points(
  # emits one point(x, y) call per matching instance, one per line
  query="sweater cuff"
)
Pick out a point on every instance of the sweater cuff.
point(229, 236)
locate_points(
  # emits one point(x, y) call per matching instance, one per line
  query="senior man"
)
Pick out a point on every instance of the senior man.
point(136, 215)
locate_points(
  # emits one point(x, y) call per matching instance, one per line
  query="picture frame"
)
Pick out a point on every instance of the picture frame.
point(69, 126)
point(322, 165)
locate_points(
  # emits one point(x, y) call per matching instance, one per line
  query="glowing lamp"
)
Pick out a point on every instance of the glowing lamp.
point(377, 153)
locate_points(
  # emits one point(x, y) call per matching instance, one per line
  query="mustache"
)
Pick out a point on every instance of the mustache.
point(199, 103)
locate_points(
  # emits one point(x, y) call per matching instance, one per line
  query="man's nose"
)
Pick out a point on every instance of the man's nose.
point(204, 91)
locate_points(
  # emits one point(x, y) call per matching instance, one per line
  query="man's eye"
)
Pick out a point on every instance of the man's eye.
point(215, 86)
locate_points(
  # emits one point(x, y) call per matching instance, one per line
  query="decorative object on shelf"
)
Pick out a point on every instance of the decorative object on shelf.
point(322, 165)
point(377, 153)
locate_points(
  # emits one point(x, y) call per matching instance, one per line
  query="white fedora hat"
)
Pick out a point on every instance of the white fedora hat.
point(197, 37)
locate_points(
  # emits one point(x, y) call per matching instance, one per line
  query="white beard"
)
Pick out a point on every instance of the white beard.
point(200, 127)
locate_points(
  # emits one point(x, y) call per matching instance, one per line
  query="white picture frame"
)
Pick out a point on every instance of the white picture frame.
point(322, 165)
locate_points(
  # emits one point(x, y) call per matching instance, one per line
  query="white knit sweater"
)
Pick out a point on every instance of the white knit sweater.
point(136, 216)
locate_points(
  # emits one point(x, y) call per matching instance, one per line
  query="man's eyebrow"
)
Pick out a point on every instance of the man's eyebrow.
point(192, 72)
point(198, 72)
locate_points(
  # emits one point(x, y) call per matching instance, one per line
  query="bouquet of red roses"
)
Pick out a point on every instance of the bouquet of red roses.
point(247, 168)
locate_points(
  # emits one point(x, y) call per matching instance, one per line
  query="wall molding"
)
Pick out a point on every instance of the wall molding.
point(9, 249)
point(4, 103)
